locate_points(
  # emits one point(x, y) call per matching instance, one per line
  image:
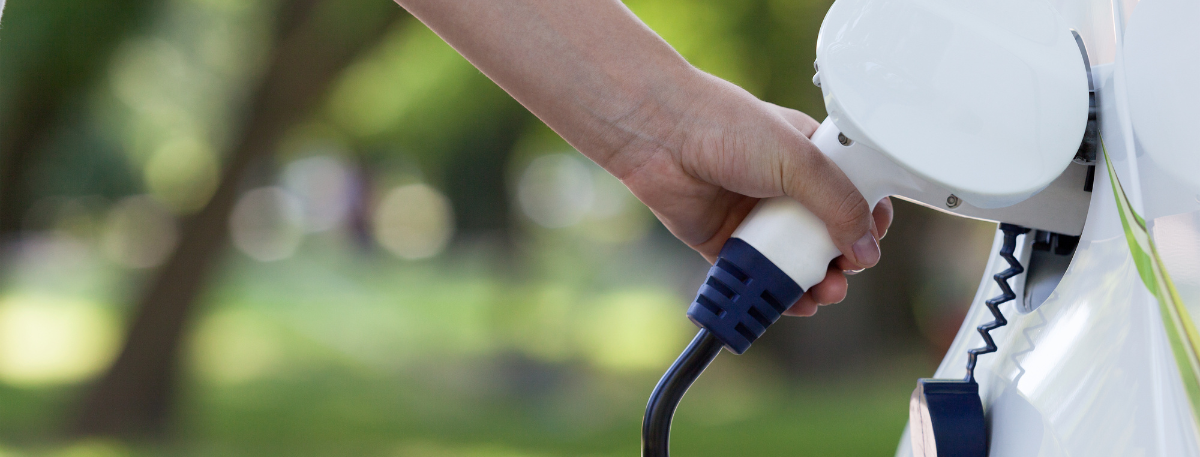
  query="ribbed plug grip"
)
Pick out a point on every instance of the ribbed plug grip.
point(743, 295)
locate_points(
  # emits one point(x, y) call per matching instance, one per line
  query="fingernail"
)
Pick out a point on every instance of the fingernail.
point(866, 250)
point(853, 272)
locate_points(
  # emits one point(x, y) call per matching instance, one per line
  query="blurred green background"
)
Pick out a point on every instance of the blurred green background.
point(309, 227)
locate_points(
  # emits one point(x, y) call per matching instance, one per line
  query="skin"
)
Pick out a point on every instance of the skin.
point(697, 150)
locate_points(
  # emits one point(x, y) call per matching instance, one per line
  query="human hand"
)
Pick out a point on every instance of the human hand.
point(699, 151)
point(703, 175)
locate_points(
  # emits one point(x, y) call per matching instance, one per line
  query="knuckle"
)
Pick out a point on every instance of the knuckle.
point(852, 213)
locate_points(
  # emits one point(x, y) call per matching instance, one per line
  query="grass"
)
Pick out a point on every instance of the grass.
point(575, 412)
point(321, 357)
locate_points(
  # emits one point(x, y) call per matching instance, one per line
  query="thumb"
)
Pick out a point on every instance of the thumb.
point(809, 177)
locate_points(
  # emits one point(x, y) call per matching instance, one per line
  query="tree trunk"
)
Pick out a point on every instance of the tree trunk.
point(38, 111)
point(315, 40)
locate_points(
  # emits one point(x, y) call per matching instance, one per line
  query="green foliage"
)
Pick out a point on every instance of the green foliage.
point(419, 96)
point(51, 44)
point(498, 348)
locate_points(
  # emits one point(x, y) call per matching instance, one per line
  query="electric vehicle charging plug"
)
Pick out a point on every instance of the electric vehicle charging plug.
point(743, 295)
point(954, 107)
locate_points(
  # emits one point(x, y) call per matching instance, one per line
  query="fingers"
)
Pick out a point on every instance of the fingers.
point(833, 288)
point(883, 217)
point(802, 122)
point(737, 207)
point(830, 290)
point(815, 181)
point(846, 265)
point(804, 307)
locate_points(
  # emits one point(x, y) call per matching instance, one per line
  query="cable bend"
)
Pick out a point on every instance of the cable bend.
point(656, 424)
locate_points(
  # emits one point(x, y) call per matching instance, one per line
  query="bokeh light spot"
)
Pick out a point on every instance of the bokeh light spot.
point(48, 340)
point(414, 221)
point(139, 232)
point(325, 185)
point(267, 224)
point(556, 190)
point(147, 72)
point(616, 216)
point(183, 175)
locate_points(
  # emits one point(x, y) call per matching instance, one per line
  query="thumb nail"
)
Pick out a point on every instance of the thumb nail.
point(866, 251)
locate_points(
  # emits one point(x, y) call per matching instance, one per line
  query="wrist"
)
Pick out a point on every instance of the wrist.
point(657, 103)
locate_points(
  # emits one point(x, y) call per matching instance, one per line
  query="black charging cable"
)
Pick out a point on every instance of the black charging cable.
point(656, 425)
point(743, 294)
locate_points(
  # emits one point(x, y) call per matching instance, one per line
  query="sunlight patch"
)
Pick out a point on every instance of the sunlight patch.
point(634, 330)
point(234, 347)
point(49, 340)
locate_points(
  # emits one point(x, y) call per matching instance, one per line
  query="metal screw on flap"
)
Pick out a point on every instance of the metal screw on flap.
point(953, 201)
point(845, 141)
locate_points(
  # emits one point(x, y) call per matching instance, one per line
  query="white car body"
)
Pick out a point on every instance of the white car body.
point(1108, 365)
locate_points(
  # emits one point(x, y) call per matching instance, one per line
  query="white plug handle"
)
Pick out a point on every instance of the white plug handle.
point(792, 237)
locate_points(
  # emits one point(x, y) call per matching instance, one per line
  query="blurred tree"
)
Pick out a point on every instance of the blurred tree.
point(53, 50)
point(474, 176)
point(314, 41)
point(416, 98)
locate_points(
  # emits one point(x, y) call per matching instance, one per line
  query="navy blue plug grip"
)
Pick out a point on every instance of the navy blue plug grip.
point(743, 295)
point(956, 413)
